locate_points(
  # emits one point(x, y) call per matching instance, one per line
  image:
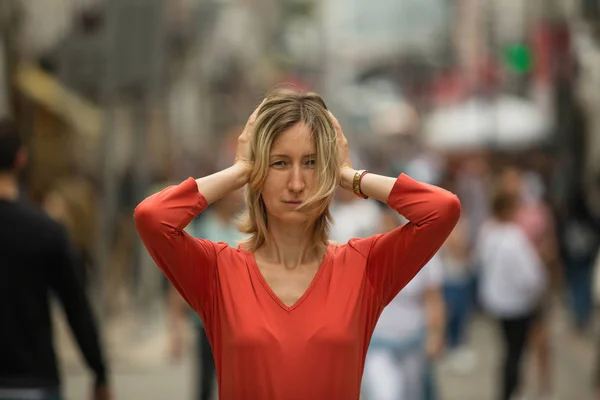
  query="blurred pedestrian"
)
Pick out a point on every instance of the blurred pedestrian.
point(37, 260)
point(513, 279)
point(580, 242)
point(535, 218)
point(458, 269)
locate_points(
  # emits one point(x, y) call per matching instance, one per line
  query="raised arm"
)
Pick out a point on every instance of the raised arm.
point(394, 258)
point(190, 264)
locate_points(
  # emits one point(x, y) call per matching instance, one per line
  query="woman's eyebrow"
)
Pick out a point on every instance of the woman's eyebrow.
point(280, 155)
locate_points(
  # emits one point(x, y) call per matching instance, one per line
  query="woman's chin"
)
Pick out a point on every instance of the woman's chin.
point(295, 218)
point(292, 217)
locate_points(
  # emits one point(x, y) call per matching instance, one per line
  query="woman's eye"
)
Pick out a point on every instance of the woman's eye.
point(278, 164)
point(311, 163)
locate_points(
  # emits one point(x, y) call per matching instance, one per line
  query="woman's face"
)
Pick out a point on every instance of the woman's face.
point(291, 175)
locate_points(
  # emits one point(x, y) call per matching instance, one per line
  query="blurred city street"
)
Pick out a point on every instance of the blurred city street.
point(141, 368)
point(106, 102)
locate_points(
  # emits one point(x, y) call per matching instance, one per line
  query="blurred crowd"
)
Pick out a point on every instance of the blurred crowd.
point(496, 101)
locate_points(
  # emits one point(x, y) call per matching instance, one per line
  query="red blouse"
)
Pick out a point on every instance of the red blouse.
point(316, 348)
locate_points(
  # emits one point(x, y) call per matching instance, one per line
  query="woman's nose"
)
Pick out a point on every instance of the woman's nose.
point(296, 182)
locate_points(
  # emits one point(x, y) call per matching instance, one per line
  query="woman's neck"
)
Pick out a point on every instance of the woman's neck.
point(290, 246)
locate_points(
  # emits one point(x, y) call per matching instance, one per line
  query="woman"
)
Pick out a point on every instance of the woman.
point(513, 280)
point(288, 315)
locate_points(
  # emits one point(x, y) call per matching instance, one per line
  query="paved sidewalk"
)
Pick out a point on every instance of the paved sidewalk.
point(573, 365)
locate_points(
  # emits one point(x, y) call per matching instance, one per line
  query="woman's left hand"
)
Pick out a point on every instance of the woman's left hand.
point(342, 143)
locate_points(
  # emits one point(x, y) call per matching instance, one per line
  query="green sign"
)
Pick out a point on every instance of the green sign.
point(518, 58)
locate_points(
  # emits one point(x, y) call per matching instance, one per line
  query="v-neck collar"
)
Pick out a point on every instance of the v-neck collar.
point(324, 264)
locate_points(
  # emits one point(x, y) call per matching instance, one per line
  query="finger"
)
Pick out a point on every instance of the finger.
point(248, 128)
point(333, 118)
point(335, 122)
point(255, 113)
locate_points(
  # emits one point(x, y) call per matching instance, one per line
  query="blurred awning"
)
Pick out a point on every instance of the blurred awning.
point(377, 105)
point(502, 122)
point(47, 91)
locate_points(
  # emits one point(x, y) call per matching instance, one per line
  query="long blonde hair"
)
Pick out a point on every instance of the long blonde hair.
point(282, 110)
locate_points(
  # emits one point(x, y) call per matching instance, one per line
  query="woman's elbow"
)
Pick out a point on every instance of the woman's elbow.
point(144, 216)
point(450, 208)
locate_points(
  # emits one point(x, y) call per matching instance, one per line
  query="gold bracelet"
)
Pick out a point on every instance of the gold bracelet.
point(358, 175)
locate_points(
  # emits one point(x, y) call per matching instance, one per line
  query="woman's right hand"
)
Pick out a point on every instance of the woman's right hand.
point(220, 184)
point(243, 154)
point(342, 143)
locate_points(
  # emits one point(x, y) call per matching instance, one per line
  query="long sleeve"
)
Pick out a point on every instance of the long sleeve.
point(394, 258)
point(189, 263)
point(68, 284)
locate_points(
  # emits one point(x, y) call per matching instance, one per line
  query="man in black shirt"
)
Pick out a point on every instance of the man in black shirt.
point(36, 259)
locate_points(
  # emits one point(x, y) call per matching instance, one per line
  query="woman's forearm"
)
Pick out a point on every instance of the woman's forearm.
point(214, 187)
point(418, 202)
point(375, 186)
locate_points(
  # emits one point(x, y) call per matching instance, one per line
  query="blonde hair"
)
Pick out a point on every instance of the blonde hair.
point(282, 110)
